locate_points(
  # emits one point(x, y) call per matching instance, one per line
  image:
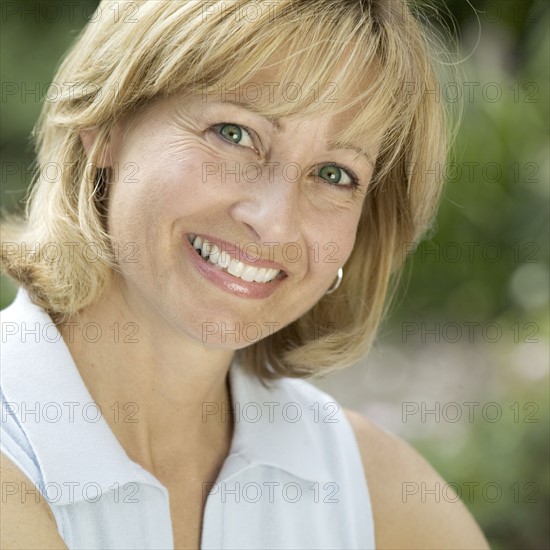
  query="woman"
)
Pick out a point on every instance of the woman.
point(234, 183)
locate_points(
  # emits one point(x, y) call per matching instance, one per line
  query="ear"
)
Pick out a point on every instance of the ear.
point(88, 138)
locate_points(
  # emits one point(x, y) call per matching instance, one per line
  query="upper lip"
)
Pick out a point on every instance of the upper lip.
point(236, 252)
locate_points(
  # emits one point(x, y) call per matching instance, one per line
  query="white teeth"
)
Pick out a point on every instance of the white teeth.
point(236, 268)
point(271, 274)
point(224, 260)
point(260, 276)
point(197, 242)
point(214, 254)
point(249, 274)
point(220, 258)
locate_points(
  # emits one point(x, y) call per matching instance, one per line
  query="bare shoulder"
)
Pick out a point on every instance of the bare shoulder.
point(26, 519)
point(405, 516)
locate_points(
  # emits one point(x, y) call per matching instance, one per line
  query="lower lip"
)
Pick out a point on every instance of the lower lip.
point(228, 282)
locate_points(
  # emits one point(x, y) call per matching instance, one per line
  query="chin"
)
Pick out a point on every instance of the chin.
point(232, 334)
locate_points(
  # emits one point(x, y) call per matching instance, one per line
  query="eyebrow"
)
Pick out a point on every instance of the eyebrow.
point(276, 122)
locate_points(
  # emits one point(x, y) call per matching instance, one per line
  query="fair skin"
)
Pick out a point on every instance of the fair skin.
point(171, 371)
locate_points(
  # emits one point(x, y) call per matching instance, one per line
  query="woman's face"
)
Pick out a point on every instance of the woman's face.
point(278, 203)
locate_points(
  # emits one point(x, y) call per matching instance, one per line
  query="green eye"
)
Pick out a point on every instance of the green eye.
point(235, 134)
point(336, 176)
point(232, 133)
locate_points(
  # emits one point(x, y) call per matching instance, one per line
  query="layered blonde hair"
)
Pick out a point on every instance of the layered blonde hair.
point(133, 52)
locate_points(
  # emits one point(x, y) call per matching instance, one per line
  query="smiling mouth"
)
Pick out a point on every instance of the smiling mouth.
point(225, 262)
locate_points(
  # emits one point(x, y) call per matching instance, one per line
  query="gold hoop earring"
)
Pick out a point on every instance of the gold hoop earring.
point(337, 282)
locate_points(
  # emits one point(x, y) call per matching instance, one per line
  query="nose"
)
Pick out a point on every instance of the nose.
point(269, 208)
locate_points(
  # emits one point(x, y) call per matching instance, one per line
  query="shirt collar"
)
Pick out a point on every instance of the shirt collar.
point(280, 425)
point(274, 426)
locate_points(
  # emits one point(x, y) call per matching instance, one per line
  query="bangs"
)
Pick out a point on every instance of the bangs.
point(328, 58)
point(367, 59)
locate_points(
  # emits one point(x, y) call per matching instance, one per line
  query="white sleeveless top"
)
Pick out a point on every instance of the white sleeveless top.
point(293, 477)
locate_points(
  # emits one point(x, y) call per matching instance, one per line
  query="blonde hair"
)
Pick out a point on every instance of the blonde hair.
point(152, 49)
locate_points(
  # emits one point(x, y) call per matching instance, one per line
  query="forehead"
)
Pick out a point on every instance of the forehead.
point(284, 96)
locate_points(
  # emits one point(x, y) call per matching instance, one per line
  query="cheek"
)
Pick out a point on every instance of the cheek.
point(128, 229)
point(347, 240)
point(331, 244)
point(149, 206)
point(172, 186)
point(187, 178)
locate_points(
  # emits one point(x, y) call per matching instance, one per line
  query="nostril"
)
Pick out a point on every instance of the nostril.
point(256, 236)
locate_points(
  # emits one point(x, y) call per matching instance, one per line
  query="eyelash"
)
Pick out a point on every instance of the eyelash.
point(354, 179)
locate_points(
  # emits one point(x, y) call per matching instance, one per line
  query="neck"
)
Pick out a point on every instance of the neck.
point(155, 386)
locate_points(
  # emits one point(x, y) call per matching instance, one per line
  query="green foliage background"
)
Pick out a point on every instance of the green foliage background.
point(501, 276)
